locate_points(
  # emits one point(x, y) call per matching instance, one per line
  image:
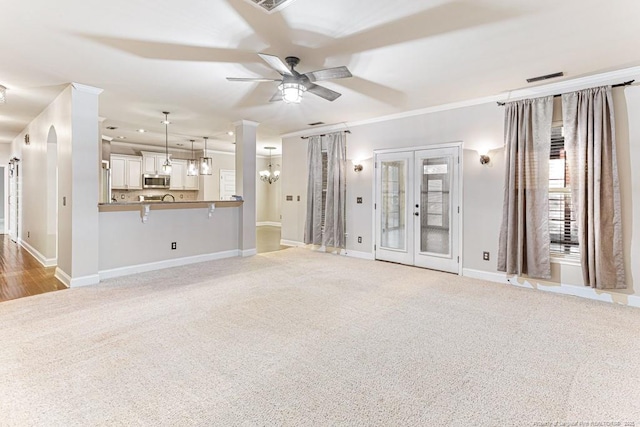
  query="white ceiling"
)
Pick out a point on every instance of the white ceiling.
point(174, 56)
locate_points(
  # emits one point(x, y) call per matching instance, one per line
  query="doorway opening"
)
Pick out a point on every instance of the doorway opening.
point(52, 195)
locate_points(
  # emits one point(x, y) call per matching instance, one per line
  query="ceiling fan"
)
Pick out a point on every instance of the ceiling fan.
point(293, 84)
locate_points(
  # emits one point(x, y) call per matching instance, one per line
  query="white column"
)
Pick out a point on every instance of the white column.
point(246, 183)
point(85, 154)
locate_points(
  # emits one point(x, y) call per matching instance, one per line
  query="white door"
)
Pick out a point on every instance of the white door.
point(227, 184)
point(14, 202)
point(417, 208)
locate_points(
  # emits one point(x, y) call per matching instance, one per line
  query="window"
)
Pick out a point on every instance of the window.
point(563, 227)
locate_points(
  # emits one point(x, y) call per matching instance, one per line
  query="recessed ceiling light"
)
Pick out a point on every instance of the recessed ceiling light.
point(142, 130)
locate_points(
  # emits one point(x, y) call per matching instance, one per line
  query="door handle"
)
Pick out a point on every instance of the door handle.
point(417, 214)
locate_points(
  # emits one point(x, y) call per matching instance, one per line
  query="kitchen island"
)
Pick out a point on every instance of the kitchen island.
point(144, 236)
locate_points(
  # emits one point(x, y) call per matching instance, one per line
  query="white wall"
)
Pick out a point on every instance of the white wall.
point(476, 126)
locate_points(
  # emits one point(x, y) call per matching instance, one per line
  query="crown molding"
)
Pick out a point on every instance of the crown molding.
point(578, 83)
point(87, 89)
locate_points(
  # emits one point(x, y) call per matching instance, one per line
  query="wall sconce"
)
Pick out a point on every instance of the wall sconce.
point(357, 166)
point(484, 156)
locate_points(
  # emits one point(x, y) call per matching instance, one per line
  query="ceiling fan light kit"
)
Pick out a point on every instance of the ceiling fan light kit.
point(293, 84)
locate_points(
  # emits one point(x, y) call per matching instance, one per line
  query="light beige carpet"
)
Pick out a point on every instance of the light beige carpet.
point(303, 338)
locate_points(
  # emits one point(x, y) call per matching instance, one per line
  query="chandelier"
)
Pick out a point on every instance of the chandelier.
point(267, 175)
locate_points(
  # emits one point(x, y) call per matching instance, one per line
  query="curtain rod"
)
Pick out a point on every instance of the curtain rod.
point(323, 134)
point(558, 95)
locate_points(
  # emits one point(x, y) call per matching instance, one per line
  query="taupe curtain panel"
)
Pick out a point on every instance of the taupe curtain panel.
point(589, 139)
point(336, 188)
point(313, 224)
point(333, 234)
point(524, 234)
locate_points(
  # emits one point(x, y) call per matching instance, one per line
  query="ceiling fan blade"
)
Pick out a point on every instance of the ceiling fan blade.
point(328, 74)
point(276, 63)
point(276, 96)
point(251, 79)
point(323, 92)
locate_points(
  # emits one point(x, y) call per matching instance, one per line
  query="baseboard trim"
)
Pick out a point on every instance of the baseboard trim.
point(269, 223)
point(76, 282)
point(284, 242)
point(249, 252)
point(160, 265)
point(46, 262)
point(556, 288)
point(485, 275)
point(360, 255)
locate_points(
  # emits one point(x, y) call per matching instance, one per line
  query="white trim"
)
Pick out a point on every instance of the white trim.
point(485, 275)
point(573, 290)
point(63, 277)
point(601, 79)
point(106, 138)
point(245, 123)
point(292, 243)
point(269, 223)
point(450, 144)
point(360, 255)
point(248, 252)
point(76, 282)
point(159, 265)
point(88, 89)
point(46, 262)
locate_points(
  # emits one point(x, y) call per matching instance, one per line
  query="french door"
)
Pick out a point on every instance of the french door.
point(417, 208)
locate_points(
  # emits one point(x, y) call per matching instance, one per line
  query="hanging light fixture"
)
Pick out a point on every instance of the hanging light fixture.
point(192, 163)
point(3, 94)
point(292, 92)
point(166, 166)
point(268, 175)
point(206, 163)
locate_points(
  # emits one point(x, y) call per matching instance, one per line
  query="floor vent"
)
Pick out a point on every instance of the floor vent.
point(271, 6)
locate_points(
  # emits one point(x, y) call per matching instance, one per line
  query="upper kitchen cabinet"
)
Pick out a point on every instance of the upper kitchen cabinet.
point(153, 161)
point(126, 172)
point(179, 178)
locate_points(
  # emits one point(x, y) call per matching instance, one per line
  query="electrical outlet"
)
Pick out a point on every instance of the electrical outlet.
point(174, 245)
point(358, 199)
point(298, 198)
point(64, 201)
point(359, 239)
point(28, 234)
point(485, 256)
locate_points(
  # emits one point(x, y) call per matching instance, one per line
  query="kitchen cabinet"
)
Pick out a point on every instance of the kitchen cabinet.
point(153, 161)
point(179, 178)
point(178, 174)
point(126, 172)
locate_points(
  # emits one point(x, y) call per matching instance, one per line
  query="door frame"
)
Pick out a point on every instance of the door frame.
point(374, 193)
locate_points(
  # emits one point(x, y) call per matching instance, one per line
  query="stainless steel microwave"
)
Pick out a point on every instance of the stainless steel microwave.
point(156, 181)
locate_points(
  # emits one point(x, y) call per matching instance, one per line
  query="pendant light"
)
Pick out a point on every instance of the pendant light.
point(166, 166)
point(206, 163)
point(268, 175)
point(192, 163)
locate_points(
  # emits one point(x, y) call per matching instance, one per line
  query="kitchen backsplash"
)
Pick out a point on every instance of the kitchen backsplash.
point(132, 195)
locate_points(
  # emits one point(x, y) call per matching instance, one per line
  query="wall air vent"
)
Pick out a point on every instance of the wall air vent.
point(547, 77)
point(271, 6)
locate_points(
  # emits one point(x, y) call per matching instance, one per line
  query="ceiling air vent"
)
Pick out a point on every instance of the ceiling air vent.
point(316, 123)
point(271, 6)
point(546, 77)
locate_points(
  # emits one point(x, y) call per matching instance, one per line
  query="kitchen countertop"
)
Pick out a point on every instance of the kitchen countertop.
point(155, 205)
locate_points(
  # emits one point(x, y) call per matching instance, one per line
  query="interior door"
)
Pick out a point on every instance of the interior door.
point(417, 208)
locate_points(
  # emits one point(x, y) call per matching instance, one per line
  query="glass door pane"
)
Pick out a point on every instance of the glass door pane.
point(393, 225)
point(435, 205)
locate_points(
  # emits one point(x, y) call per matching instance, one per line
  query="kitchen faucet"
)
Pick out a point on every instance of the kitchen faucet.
point(170, 195)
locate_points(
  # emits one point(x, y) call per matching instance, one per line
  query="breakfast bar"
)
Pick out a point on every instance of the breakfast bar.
point(144, 236)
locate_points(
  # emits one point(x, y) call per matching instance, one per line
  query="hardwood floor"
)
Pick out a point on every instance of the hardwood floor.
point(21, 274)
point(268, 239)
